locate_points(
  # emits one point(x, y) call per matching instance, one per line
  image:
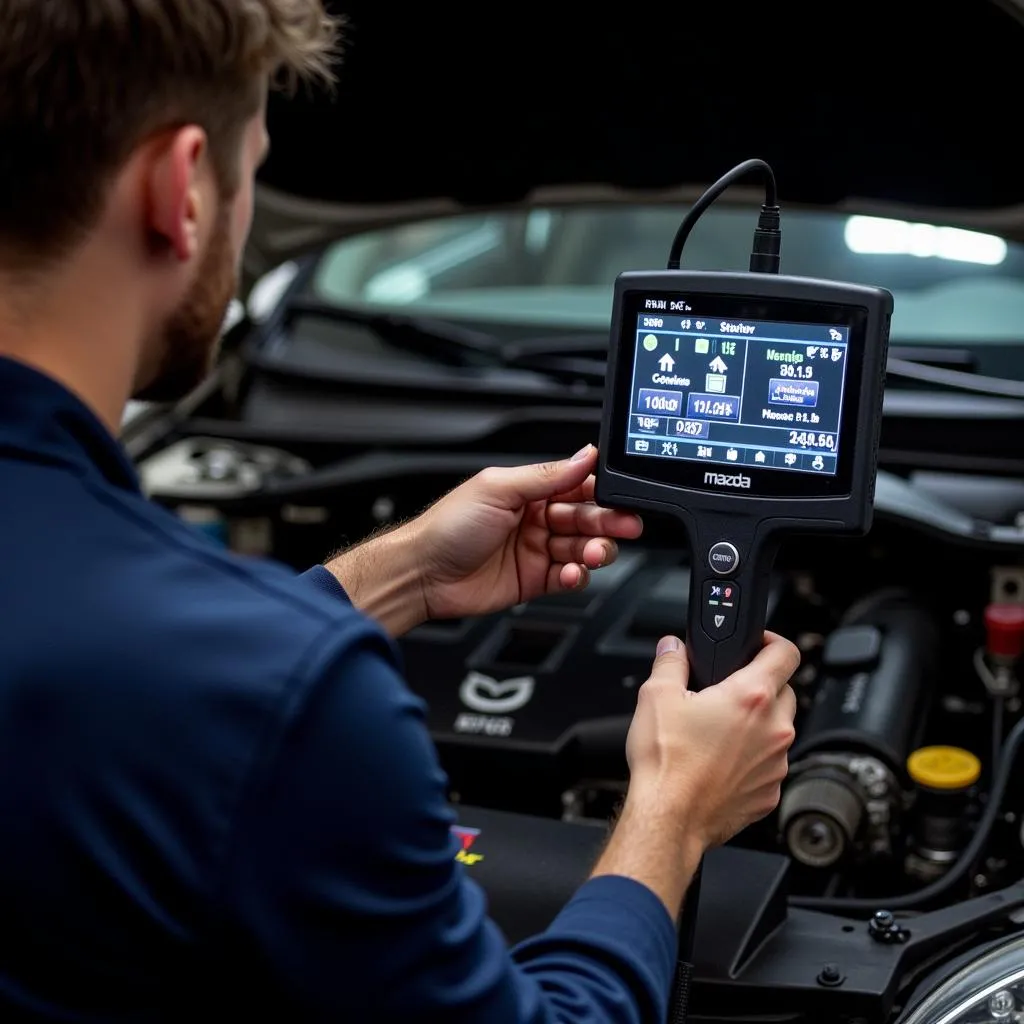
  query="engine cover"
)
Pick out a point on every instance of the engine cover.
point(546, 691)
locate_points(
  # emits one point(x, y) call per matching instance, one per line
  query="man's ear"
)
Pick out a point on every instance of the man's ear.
point(174, 193)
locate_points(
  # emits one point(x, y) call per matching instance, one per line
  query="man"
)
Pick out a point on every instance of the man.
point(218, 798)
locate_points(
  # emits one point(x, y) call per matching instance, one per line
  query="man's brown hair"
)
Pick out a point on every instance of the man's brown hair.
point(84, 82)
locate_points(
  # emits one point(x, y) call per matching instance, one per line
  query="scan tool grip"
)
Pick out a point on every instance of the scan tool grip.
point(729, 584)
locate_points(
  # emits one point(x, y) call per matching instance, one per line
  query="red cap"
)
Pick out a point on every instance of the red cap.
point(1004, 626)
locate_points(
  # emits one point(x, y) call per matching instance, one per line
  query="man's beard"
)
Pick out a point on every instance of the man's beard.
point(188, 343)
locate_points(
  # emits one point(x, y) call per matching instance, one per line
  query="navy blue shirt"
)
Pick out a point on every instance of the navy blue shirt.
point(219, 798)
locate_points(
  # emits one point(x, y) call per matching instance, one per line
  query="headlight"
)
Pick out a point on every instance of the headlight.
point(988, 991)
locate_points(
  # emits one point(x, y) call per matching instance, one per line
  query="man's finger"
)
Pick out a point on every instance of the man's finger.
point(593, 552)
point(563, 577)
point(778, 659)
point(592, 521)
point(787, 701)
point(784, 649)
point(514, 486)
point(670, 662)
point(585, 492)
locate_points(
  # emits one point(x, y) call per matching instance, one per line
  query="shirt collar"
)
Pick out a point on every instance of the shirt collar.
point(41, 418)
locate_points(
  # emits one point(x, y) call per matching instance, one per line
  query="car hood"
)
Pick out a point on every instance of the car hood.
point(904, 109)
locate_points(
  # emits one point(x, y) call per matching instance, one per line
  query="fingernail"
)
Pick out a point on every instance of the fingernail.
point(581, 454)
point(667, 644)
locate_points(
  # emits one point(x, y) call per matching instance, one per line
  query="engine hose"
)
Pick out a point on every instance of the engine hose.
point(998, 716)
point(859, 611)
point(960, 868)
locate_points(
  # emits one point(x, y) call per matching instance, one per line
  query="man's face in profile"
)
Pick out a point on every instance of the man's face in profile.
point(186, 348)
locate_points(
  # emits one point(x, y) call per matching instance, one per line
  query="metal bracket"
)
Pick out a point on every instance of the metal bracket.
point(1007, 585)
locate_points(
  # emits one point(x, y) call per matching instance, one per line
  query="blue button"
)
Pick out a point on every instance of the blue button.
point(667, 403)
point(713, 407)
point(647, 424)
point(784, 391)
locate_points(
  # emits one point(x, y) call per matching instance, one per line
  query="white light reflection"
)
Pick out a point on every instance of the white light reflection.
point(881, 236)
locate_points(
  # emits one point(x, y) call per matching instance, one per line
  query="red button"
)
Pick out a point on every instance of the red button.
point(1004, 626)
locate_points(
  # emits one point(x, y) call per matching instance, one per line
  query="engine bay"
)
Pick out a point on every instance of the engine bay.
point(900, 731)
point(907, 689)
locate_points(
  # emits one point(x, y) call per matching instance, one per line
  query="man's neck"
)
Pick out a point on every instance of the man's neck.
point(81, 340)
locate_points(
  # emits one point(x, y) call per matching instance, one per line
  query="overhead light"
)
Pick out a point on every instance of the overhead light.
point(880, 236)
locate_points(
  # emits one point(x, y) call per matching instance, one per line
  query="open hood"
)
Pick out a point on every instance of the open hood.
point(902, 108)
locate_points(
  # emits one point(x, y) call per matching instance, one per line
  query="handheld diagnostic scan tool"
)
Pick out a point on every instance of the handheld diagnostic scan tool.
point(748, 406)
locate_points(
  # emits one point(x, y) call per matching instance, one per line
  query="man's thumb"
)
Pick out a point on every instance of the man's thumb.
point(542, 480)
point(670, 662)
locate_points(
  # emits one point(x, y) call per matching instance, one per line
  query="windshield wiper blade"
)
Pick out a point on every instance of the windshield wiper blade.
point(957, 379)
point(524, 350)
point(578, 358)
point(574, 358)
point(944, 356)
point(569, 369)
point(440, 340)
point(560, 358)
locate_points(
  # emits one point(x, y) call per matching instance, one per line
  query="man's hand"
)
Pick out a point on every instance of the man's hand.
point(511, 535)
point(722, 752)
point(503, 537)
point(702, 765)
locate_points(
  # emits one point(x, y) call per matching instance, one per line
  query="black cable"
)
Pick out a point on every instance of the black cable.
point(679, 1002)
point(764, 255)
point(964, 863)
point(764, 259)
point(998, 709)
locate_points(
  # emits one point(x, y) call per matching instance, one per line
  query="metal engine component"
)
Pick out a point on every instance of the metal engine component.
point(834, 801)
point(207, 469)
point(845, 792)
point(819, 817)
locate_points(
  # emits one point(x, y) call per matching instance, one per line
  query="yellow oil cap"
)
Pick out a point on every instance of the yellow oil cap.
point(944, 767)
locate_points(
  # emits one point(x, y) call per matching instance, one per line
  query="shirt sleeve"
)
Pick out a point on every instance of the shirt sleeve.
point(345, 879)
point(322, 579)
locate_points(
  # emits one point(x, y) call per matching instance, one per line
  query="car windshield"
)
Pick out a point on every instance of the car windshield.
point(554, 267)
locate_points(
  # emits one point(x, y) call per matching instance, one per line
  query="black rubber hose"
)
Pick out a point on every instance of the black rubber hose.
point(998, 716)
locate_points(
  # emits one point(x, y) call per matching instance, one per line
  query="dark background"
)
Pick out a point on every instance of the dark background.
point(911, 101)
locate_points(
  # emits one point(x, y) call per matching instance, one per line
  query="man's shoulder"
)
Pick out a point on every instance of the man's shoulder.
point(221, 609)
point(187, 557)
point(146, 596)
point(150, 686)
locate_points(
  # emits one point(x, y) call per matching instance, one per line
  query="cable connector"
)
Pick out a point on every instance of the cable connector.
point(764, 258)
point(765, 254)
